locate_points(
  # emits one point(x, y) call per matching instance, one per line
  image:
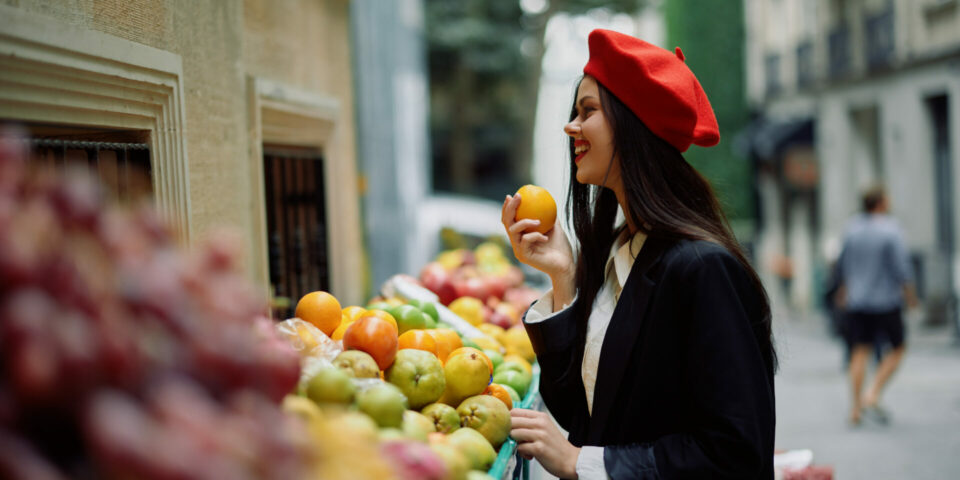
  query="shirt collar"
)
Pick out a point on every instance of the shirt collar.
point(623, 254)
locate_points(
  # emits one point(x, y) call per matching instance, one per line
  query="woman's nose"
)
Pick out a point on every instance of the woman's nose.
point(572, 129)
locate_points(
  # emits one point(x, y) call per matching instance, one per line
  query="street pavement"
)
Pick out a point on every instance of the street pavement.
point(922, 440)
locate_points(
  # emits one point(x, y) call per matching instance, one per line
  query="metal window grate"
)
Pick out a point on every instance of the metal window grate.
point(838, 42)
point(123, 167)
point(296, 224)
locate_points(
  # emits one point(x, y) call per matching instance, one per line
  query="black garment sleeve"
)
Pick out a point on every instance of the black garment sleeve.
point(555, 343)
point(728, 383)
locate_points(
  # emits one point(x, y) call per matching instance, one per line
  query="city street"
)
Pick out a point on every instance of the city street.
point(923, 437)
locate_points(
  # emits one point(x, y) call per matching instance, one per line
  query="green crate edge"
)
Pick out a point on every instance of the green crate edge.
point(509, 448)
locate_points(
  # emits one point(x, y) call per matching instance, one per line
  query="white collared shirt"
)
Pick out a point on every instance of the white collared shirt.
point(619, 263)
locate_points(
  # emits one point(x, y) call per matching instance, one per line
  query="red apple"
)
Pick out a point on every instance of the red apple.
point(521, 297)
point(496, 285)
point(439, 281)
point(500, 319)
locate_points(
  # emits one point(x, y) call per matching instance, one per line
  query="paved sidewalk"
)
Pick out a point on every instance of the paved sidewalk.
point(923, 439)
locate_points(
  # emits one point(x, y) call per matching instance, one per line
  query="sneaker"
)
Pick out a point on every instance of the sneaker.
point(877, 414)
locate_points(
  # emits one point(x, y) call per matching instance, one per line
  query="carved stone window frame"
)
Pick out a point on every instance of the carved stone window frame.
point(281, 114)
point(54, 72)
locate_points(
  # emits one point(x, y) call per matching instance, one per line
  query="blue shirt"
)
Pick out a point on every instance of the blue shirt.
point(873, 264)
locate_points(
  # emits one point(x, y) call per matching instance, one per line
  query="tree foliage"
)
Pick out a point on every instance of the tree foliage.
point(711, 35)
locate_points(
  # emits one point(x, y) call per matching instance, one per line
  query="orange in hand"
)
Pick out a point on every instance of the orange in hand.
point(536, 203)
point(321, 309)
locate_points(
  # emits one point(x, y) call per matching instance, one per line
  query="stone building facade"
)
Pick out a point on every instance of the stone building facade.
point(211, 86)
point(851, 93)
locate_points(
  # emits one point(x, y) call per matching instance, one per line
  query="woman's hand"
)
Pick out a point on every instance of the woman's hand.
point(538, 437)
point(550, 253)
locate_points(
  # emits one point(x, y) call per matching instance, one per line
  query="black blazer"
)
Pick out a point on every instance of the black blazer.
point(683, 388)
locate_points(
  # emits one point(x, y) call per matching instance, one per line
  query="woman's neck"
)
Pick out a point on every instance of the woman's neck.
point(624, 207)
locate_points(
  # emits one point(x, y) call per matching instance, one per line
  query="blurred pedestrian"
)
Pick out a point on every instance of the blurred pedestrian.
point(875, 282)
point(655, 343)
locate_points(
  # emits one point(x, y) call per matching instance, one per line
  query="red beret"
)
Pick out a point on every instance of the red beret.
point(656, 85)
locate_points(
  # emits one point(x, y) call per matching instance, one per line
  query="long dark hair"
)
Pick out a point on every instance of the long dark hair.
point(667, 198)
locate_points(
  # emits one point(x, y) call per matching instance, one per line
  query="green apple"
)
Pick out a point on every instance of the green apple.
point(409, 317)
point(444, 417)
point(419, 375)
point(475, 447)
point(357, 363)
point(519, 381)
point(416, 425)
point(330, 385)
point(470, 343)
point(429, 308)
point(509, 365)
point(487, 415)
point(384, 403)
point(496, 358)
point(386, 307)
point(431, 323)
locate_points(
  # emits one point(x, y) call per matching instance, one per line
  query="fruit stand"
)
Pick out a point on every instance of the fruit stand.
point(127, 355)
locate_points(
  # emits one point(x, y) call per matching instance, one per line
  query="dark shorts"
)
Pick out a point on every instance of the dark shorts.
point(868, 328)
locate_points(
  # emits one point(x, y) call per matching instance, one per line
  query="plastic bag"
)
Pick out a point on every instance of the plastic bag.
point(308, 340)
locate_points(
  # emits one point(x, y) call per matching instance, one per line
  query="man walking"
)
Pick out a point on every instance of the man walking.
point(876, 281)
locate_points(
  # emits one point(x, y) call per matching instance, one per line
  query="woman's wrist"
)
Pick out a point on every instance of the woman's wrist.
point(574, 457)
point(563, 288)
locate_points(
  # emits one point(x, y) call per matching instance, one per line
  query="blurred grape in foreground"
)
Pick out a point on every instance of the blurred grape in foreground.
point(124, 355)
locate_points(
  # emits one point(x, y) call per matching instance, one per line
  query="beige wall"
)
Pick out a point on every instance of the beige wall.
point(300, 43)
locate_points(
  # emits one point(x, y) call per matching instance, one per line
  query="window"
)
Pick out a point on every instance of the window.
point(119, 158)
point(880, 39)
point(838, 43)
point(772, 70)
point(296, 225)
point(805, 70)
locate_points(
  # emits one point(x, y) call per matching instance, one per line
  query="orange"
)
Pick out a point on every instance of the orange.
point(353, 312)
point(344, 325)
point(375, 336)
point(418, 339)
point(447, 341)
point(536, 203)
point(321, 309)
point(497, 390)
point(466, 350)
point(383, 315)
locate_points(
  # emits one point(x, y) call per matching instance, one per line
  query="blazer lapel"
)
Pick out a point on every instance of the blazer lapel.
point(621, 336)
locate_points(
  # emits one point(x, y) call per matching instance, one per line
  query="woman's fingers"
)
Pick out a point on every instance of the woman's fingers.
point(524, 413)
point(528, 450)
point(509, 211)
point(522, 435)
point(524, 224)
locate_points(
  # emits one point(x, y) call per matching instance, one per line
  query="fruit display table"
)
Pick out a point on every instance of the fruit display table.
point(509, 463)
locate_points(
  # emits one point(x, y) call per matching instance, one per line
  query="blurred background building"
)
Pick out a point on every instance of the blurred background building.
point(848, 94)
point(234, 113)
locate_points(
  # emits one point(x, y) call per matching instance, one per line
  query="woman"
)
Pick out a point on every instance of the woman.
point(655, 344)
